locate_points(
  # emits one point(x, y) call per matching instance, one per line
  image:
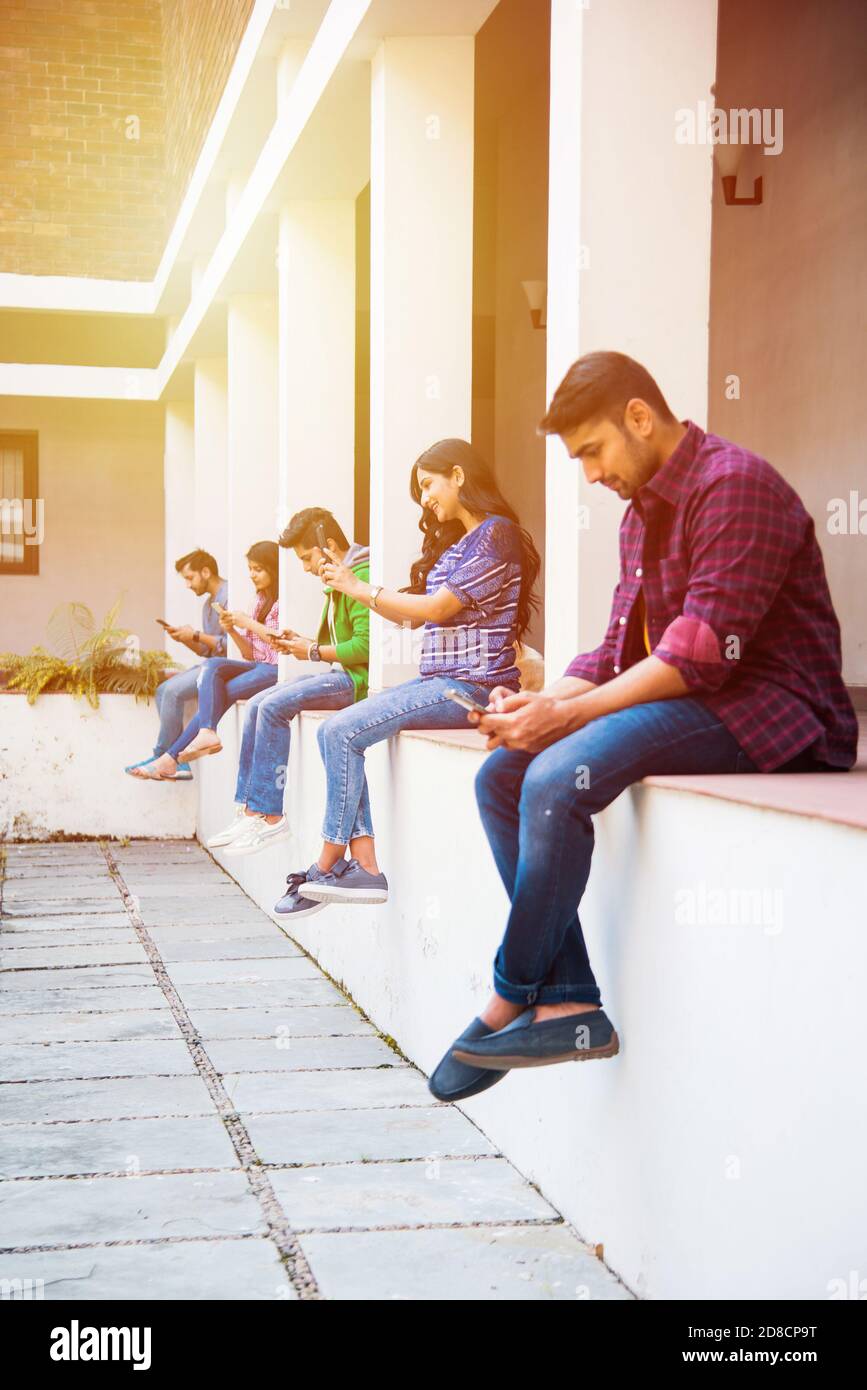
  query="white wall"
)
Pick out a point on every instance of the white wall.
point(252, 436)
point(210, 407)
point(720, 1155)
point(62, 771)
point(421, 199)
point(628, 255)
point(316, 385)
point(180, 605)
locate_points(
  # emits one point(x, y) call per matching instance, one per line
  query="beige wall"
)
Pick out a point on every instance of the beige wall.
point(510, 246)
point(101, 478)
point(789, 278)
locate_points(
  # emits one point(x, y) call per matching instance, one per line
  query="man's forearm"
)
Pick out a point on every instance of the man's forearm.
point(650, 679)
point(567, 687)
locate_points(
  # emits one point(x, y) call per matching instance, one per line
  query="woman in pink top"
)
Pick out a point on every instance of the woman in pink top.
point(222, 680)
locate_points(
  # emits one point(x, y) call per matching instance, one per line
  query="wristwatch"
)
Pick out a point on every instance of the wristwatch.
point(313, 653)
point(375, 593)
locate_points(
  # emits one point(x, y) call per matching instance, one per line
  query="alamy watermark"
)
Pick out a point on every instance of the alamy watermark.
point(705, 906)
point(711, 125)
point(23, 518)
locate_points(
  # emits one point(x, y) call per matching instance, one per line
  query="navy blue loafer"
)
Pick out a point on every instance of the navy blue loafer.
point(573, 1038)
point(454, 1080)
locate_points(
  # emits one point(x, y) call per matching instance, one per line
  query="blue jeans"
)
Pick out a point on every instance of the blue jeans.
point(265, 745)
point(537, 810)
point(343, 739)
point(171, 697)
point(222, 682)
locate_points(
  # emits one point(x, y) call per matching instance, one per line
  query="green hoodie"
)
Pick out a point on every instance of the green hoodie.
point(345, 624)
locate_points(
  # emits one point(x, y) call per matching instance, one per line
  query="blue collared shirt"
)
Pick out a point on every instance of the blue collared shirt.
point(211, 620)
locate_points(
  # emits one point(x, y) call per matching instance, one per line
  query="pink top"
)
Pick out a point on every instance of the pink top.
point(260, 650)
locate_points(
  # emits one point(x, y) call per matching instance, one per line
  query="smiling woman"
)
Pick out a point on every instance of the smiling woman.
point(472, 588)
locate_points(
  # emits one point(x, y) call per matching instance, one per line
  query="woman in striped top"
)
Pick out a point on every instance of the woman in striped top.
point(472, 590)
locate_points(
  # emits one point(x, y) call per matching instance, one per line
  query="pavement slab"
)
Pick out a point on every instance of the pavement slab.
point(237, 1270)
point(115, 1146)
point(435, 1192)
point(519, 1263)
point(74, 1211)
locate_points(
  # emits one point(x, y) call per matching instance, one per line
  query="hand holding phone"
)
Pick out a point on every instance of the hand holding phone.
point(465, 702)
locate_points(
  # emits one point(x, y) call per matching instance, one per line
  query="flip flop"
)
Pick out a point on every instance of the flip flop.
point(131, 769)
point(144, 776)
point(201, 753)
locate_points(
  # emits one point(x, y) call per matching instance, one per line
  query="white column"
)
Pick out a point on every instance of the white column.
point(421, 292)
point(211, 459)
point(179, 486)
point(628, 256)
point(252, 434)
point(316, 448)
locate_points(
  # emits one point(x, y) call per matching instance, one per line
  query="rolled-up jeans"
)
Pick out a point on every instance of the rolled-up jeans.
point(537, 811)
point(171, 697)
point(343, 739)
point(222, 682)
point(267, 733)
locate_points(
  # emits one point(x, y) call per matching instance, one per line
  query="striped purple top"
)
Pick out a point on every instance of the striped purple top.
point(483, 569)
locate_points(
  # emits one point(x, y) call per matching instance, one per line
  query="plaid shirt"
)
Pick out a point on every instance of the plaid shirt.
point(736, 597)
point(260, 650)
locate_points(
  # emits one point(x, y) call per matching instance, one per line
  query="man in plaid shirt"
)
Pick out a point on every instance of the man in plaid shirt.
point(722, 655)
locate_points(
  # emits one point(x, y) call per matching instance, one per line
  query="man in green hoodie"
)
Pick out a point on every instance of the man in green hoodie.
point(340, 649)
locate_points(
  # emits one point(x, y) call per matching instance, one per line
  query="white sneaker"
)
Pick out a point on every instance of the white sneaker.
point(241, 825)
point(260, 836)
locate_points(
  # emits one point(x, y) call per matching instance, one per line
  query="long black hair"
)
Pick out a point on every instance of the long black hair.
point(266, 555)
point(481, 496)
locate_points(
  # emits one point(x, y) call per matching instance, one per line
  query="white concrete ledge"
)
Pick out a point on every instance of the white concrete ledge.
point(721, 1154)
point(61, 771)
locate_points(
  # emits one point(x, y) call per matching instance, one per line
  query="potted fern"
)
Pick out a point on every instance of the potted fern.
point(84, 660)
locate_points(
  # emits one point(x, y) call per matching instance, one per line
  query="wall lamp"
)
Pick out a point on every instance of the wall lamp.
point(728, 158)
point(537, 299)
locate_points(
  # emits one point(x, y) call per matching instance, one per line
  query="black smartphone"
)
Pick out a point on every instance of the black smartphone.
point(322, 542)
point(162, 622)
point(465, 702)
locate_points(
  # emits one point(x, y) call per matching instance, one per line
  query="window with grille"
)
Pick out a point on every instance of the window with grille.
point(20, 506)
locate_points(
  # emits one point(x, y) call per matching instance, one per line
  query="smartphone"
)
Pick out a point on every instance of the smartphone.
point(217, 607)
point(465, 702)
point(322, 542)
point(162, 622)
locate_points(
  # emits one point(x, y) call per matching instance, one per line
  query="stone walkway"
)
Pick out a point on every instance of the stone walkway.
point(189, 1108)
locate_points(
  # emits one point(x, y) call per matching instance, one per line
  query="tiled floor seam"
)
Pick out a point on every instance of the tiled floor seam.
point(193, 1115)
point(266, 1167)
point(492, 1225)
point(295, 1261)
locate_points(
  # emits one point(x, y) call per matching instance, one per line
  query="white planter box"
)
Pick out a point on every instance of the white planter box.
point(61, 771)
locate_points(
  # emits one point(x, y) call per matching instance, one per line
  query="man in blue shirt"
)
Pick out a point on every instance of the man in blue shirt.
point(201, 574)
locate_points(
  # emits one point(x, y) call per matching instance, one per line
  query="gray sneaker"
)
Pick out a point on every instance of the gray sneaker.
point(349, 883)
point(293, 904)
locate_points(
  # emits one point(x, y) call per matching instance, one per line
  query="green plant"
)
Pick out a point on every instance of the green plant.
point(85, 660)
